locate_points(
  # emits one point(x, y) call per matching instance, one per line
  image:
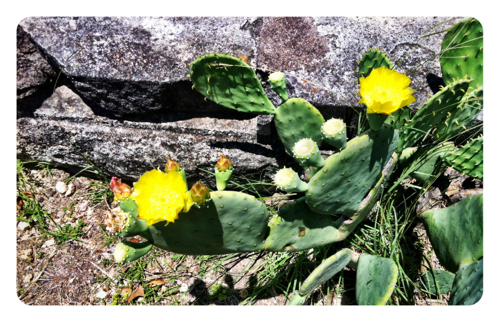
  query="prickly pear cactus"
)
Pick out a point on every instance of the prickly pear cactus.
point(438, 280)
point(230, 82)
point(456, 232)
point(376, 278)
point(462, 52)
point(297, 228)
point(468, 159)
point(426, 162)
point(231, 222)
point(399, 118)
point(297, 119)
point(347, 176)
point(437, 109)
point(326, 270)
point(371, 60)
point(467, 287)
point(462, 118)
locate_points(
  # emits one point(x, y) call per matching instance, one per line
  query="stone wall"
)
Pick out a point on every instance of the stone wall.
point(123, 100)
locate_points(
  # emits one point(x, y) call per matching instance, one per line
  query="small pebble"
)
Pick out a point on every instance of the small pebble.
point(22, 225)
point(61, 187)
point(71, 189)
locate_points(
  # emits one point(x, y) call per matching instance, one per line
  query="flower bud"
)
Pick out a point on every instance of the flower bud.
point(224, 164)
point(200, 193)
point(172, 166)
point(122, 190)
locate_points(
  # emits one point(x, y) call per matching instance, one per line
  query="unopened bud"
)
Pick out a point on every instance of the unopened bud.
point(172, 166)
point(199, 193)
point(224, 164)
point(122, 190)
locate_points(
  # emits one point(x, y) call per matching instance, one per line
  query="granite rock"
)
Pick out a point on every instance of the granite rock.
point(123, 100)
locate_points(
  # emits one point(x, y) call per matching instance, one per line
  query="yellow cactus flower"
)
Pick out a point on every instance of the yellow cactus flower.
point(385, 91)
point(161, 196)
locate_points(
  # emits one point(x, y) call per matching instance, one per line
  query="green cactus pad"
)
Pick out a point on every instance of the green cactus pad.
point(277, 81)
point(127, 251)
point(432, 113)
point(460, 119)
point(371, 60)
point(426, 162)
point(347, 176)
point(230, 82)
point(347, 226)
point(468, 159)
point(462, 52)
point(326, 270)
point(399, 118)
point(375, 120)
point(297, 228)
point(442, 282)
point(467, 287)
point(376, 279)
point(136, 226)
point(231, 222)
point(456, 232)
point(297, 119)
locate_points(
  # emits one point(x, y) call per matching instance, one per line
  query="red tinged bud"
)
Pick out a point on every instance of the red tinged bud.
point(122, 190)
point(224, 164)
point(199, 193)
point(172, 166)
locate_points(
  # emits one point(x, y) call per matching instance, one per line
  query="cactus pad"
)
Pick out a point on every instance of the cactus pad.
point(427, 161)
point(443, 281)
point(371, 60)
point(347, 176)
point(297, 119)
point(230, 82)
point(347, 226)
point(328, 268)
point(456, 232)
point(432, 113)
point(463, 52)
point(298, 228)
point(230, 222)
point(467, 287)
point(375, 279)
point(468, 159)
point(399, 118)
point(460, 119)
